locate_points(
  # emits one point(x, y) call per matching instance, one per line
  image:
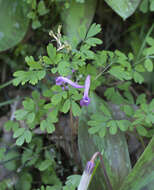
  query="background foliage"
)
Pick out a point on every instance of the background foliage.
point(46, 135)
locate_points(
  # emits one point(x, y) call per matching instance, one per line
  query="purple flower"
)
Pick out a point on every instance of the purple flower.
point(63, 80)
point(86, 100)
point(73, 70)
point(86, 176)
point(89, 167)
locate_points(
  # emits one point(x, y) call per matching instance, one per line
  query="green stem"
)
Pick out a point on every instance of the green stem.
point(144, 42)
point(7, 102)
point(94, 171)
point(6, 84)
point(103, 71)
point(142, 141)
point(103, 168)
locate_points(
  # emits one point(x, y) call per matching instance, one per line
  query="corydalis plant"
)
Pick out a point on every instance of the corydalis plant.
point(85, 101)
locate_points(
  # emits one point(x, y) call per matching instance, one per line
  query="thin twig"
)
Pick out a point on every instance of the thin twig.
point(103, 70)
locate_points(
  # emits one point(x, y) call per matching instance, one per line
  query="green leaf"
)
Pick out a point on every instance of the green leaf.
point(120, 55)
point(48, 106)
point(141, 130)
point(42, 10)
point(93, 30)
point(28, 76)
point(36, 95)
point(150, 41)
point(11, 125)
point(25, 181)
point(148, 65)
point(33, 3)
point(50, 127)
point(75, 109)
point(11, 155)
point(13, 22)
point(56, 99)
point(48, 93)
point(76, 96)
point(93, 41)
point(102, 132)
point(43, 125)
point(124, 86)
point(31, 15)
point(144, 6)
point(149, 50)
point(94, 130)
point(149, 118)
point(130, 56)
point(138, 78)
point(52, 116)
point(20, 140)
point(47, 60)
point(32, 63)
point(28, 136)
point(124, 8)
point(51, 52)
point(44, 165)
point(20, 114)
point(64, 68)
point(2, 152)
point(64, 94)
point(30, 117)
point(54, 70)
point(112, 123)
point(36, 24)
point(19, 132)
point(129, 97)
point(55, 187)
point(123, 125)
point(113, 130)
point(128, 110)
point(66, 106)
point(105, 110)
point(140, 68)
point(109, 93)
point(89, 54)
point(120, 73)
point(141, 99)
point(142, 175)
point(73, 180)
point(152, 6)
point(29, 104)
point(151, 105)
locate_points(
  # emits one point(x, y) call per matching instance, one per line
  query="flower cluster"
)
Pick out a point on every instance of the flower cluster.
point(85, 101)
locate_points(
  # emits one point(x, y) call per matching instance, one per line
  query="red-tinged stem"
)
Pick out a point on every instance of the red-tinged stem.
point(104, 169)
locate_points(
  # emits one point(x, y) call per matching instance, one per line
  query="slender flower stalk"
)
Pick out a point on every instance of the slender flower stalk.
point(86, 176)
point(85, 101)
point(62, 80)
